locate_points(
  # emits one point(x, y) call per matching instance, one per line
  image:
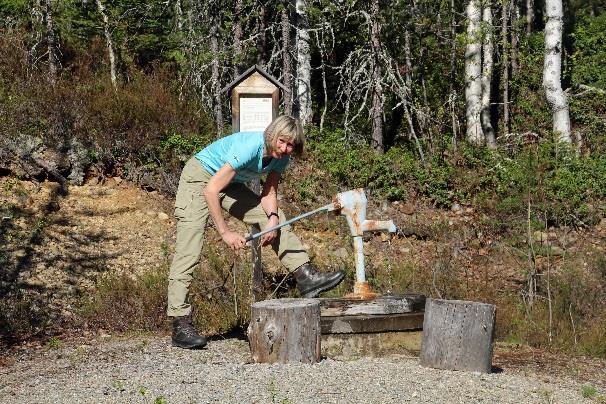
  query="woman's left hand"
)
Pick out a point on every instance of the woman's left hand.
point(270, 237)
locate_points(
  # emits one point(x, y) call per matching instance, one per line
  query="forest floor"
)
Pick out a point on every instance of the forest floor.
point(60, 248)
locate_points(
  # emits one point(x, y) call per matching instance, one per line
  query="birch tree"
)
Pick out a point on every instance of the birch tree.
point(552, 68)
point(109, 43)
point(303, 64)
point(487, 64)
point(473, 72)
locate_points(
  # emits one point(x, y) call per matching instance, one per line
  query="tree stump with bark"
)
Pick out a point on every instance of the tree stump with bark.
point(458, 335)
point(285, 331)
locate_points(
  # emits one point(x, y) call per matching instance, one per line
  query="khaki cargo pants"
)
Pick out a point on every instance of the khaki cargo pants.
point(191, 213)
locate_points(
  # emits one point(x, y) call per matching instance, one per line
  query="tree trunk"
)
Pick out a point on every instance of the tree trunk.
point(178, 9)
point(453, 71)
point(237, 37)
point(552, 69)
point(473, 73)
point(37, 22)
point(515, 35)
point(505, 65)
point(110, 46)
point(215, 76)
point(303, 64)
point(285, 331)
point(286, 61)
point(51, 44)
point(529, 15)
point(487, 51)
point(262, 38)
point(458, 335)
point(377, 90)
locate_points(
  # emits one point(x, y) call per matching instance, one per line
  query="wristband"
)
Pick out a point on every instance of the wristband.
point(273, 214)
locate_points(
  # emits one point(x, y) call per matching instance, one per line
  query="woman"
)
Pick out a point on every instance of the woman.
point(213, 179)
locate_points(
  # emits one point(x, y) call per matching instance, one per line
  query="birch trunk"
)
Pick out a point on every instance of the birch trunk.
point(110, 46)
point(487, 64)
point(552, 69)
point(303, 64)
point(51, 44)
point(215, 76)
point(377, 90)
point(286, 62)
point(473, 73)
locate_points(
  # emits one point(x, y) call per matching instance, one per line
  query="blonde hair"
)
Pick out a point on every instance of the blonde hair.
point(287, 127)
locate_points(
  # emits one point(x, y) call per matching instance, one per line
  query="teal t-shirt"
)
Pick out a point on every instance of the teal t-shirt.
point(244, 152)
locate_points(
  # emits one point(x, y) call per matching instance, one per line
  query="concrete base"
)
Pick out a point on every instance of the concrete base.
point(353, 346)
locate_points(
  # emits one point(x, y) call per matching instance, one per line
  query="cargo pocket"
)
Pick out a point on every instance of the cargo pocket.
point(190, 206)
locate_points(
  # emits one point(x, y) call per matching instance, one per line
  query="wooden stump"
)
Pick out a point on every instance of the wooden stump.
point(285, 331)
point(458, 335)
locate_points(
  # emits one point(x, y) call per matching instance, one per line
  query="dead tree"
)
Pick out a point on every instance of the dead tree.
point(377, 91)
point(286, 60)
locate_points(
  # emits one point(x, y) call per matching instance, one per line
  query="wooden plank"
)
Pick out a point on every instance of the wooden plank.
point(396, 304)
point(370, 323)
point(375, 344)
point(285, 331)
point(458, 335)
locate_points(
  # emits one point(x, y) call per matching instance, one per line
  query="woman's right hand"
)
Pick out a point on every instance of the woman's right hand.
point(233, 240)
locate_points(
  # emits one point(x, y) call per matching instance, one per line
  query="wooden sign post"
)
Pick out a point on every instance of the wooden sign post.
point(255, 99)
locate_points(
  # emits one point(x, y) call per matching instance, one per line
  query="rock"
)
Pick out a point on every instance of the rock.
point(163, 216)
point(150, 213)
point(404, 250)
point(341, 253)
point(117, 180)
point(455, 207)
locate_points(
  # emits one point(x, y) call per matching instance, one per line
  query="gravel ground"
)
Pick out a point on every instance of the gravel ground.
point(147, 369)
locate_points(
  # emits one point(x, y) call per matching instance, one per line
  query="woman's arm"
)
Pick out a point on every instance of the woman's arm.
point(217, 183)
point(269, 202)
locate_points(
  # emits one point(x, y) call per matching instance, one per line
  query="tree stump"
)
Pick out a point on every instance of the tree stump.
point(285, 331)
point(458, 335)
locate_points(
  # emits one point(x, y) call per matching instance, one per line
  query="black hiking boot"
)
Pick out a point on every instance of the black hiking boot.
point(185, 335)
point(310, 282)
